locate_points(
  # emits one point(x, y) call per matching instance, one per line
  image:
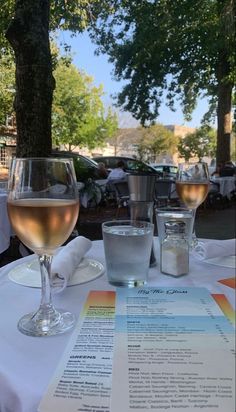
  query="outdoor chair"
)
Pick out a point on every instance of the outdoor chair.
point(162, 192)
point(122, 194)
point(3, 186)
point(214, 199)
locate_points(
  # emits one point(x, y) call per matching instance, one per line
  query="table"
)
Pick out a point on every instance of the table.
point(28, 363)
point(5, 227)
point(226, 184)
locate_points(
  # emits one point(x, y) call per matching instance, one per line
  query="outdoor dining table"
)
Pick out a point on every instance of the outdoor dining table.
point(28, 363)
point(5, 227)
point(226, 184)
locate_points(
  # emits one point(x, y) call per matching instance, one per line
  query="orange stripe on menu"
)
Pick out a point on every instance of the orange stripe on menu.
point(231, 282)
point(225, 306)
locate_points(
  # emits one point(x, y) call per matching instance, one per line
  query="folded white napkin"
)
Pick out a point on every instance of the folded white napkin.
point(214, 248)
point(67, 260)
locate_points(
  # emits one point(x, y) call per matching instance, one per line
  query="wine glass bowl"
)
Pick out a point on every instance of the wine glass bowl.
point(43, 224)
point(43, 208)
point(192, 185)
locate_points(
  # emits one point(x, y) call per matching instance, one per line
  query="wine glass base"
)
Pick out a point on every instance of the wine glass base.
point(33, 324)
point(193, 242)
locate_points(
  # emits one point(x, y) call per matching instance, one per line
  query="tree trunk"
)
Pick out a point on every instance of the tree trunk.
point(28, 34)
point(224, 121)
point(226, 13)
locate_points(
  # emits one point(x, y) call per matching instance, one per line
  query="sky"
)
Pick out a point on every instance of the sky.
point(100, 69)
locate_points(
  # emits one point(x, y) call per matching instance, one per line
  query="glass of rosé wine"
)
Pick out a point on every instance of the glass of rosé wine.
point(192, 185)
point(43, 208)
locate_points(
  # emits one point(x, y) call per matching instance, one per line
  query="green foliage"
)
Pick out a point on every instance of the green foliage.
point(7, 87)
point(73, 15)
point(6, 13)
point(233, 147)
point(182, 47)
point(156, 140)
point(79, 117)
point(200, 143)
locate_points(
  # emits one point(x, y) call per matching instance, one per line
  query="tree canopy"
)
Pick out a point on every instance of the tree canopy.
point(156, 140)
point(180, 49)
point(198, 144)
point(78, 113)
point(26, 25)
point(185, 48)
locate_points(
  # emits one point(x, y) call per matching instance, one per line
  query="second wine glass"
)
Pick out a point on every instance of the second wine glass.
point(43, 208)
point(192, 185)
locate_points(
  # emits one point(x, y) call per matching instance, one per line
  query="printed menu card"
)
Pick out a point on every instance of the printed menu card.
point(82, 381)
point(173, 350)
point(160, 349)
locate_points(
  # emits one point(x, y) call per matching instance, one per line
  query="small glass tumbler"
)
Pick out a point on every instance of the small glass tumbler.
point(127, 246)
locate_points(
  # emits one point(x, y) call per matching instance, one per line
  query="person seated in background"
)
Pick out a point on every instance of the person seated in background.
point(196, 173)
point(216, 172)
point(228, 169)
point(102, 171)
point(118, 173)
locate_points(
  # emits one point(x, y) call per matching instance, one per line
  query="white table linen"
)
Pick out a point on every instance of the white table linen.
point(5, 227)
point(212, 249)
point(227, 184)
point(28, 363)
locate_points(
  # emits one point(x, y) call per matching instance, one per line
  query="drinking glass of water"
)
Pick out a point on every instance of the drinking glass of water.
point(43, 208)
point(127, 246)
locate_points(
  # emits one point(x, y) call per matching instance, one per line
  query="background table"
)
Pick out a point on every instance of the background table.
point(5, 227)
point(227, 184)
point(28, 363)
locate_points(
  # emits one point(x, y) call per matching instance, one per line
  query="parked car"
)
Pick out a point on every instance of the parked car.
point(85, 168)
point(165, 169)
point(131, 165)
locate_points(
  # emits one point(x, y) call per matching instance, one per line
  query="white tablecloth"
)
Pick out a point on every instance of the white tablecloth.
point(5, 227)
point(27, 363)
point(227, 184)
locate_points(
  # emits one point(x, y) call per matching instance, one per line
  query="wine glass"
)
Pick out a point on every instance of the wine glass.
point(43, 208)
point(192, 185)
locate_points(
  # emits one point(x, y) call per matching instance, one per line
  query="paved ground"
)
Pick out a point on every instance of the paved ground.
point(210, 223)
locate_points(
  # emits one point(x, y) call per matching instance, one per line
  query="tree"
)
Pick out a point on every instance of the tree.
point(78, 114)
point(26, 24)
point(200, 143)
point(156, 140)
point(185, 48)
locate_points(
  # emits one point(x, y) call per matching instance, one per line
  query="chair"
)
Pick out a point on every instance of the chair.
point(162, 192)
point(122, 194)
point(3, 186)
point(214, 199)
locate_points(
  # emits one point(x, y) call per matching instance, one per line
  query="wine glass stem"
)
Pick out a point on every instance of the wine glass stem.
point(194, 216)
point(194, 241)
point(45, 270)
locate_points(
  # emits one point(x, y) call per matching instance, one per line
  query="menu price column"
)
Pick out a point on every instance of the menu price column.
point(173, 351)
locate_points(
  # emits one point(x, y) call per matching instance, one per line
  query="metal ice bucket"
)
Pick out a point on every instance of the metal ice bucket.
point(141, 187)
point(141, 193)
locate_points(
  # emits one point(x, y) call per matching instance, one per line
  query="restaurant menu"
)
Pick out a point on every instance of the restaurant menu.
point(173, 351)
point(82, 381)
point(160, 349)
